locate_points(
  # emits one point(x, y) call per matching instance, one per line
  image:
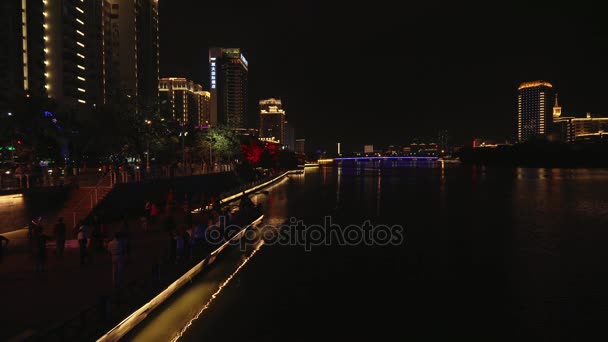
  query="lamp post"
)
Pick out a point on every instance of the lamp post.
point(211, 140)
point(183, 134)
point(148, 148)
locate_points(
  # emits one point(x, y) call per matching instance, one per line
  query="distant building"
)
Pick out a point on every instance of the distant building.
point(589, 125)
point(368, 149)
point(184, 101)
point(290, 137)
point(423, 149)
point(228, 72)
point(272, 121)
point(300, 146)
point(534, 112)
point(562, 128)
point(573, 129)
point(443, 141)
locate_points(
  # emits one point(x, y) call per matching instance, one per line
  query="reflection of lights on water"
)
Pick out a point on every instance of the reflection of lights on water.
point(216, 293)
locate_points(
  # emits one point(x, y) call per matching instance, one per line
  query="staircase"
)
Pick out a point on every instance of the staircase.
point(79, 205)
point(82, 202)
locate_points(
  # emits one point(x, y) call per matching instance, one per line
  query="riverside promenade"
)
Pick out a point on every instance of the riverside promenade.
point(72, 302)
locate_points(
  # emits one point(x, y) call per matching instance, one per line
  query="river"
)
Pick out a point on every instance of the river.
point(485, 254)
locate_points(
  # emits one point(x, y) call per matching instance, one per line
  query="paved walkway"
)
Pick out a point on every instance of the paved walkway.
point(32, 302)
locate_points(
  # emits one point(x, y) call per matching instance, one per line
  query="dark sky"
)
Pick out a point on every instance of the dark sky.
point(376, 73)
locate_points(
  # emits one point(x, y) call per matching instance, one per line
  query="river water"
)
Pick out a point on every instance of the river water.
point(485, 255)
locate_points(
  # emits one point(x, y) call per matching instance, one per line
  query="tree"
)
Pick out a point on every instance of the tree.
point(219, 142)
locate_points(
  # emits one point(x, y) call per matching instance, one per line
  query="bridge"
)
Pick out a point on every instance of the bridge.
point(377, 158)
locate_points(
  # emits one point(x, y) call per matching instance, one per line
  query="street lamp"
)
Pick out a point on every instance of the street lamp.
point(148, 122)
point(211, 141)
point(183, 134)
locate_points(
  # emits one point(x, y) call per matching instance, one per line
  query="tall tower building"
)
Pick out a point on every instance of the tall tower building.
point(272, 121)
point(534, 109)
point(228, 85)
point(134, 30)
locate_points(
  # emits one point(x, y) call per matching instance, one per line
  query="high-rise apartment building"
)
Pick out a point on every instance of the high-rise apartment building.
point(228, 86)
point(534, 111)
point(81, 52)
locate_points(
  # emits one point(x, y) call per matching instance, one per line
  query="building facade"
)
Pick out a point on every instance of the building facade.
point(22, 59)
point(289, 137)
point(534, 112)
point(272, 121)
point(300, 146)
point(184, 101)
point(228, 86)
point(134, 60)
point(589, 125)
point(81, 52)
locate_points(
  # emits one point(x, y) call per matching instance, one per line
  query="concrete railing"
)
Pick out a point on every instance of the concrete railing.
point(120, 330)
point(140, 314)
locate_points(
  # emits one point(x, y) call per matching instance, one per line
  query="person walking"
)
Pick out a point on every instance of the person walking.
point(40, 254)
point(82, 235)
point(116, 247)
point(59, 235)
point(154, 212)
point(3, 245)
point(31, 233)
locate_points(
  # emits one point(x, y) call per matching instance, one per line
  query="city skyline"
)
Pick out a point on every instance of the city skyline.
point(328, 70)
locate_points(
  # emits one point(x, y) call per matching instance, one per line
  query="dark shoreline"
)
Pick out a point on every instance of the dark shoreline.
point(538, 154)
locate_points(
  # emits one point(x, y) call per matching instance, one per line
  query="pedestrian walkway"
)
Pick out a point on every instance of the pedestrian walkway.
point(36, 303)
point(32, 302)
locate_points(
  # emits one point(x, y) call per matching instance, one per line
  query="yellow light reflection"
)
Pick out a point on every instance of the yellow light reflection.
point(214, 295)
point(15, 199)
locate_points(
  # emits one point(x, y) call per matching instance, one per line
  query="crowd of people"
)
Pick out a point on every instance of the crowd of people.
point(186, 233)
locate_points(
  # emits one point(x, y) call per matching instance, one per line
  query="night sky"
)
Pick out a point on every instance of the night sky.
point(374, 73)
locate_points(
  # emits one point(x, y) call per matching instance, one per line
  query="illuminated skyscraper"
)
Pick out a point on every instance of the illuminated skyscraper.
point(228, 86)
point(272, 121)
point(534, 109)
